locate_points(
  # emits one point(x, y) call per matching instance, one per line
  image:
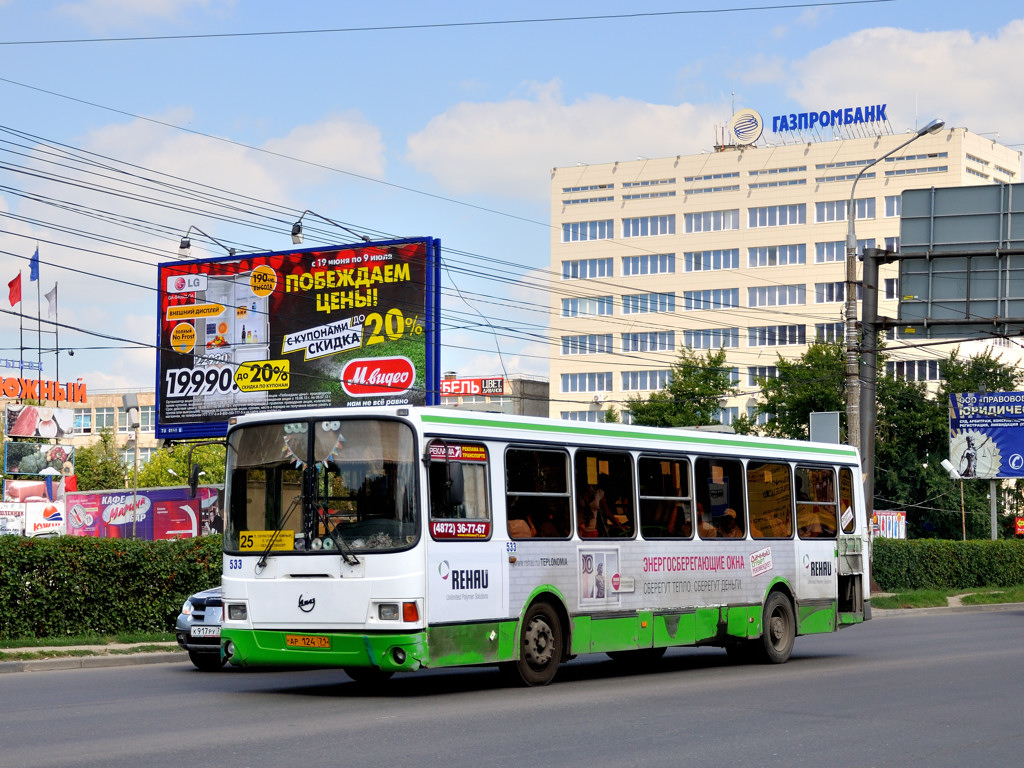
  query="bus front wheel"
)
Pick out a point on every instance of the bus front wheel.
point(541, 645)
point(778, 629)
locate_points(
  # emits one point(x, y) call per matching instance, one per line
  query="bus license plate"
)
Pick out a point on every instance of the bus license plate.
point(307, 641)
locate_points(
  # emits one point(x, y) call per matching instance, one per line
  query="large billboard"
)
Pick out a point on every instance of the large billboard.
point(986, 434)
point(344, 326)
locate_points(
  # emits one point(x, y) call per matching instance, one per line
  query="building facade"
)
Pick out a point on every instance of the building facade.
point(741, 248)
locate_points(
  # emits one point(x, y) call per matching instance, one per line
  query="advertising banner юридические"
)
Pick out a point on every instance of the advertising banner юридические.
point(342, 326)
point(986, 434)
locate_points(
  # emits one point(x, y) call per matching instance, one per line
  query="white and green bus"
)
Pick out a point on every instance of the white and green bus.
point(385, 540)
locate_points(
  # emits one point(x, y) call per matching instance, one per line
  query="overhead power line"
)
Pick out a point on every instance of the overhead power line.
point(449, 24)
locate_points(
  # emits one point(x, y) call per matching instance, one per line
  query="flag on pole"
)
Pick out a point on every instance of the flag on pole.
point(51, 299)
point(33, 266)
point(15, 290)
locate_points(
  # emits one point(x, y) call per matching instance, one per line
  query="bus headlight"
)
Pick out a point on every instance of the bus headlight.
point(387, 611)
point(237, 612)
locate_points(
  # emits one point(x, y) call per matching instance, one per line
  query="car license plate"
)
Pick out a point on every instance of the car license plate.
point(307, 641)
point(204, 631)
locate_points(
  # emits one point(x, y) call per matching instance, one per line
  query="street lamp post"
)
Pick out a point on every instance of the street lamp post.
point(853, 431)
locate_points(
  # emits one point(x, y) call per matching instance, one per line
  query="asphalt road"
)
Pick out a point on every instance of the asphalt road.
point(927, 689)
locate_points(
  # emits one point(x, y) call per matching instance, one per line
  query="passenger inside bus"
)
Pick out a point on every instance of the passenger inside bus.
point(728, 526)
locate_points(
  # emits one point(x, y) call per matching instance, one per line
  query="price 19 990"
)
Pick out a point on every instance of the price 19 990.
point(189, 382)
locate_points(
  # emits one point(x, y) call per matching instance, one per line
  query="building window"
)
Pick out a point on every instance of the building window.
point(587, 382)
point(892, 288)
point(580, 231)
point(584, 269)
point(773, 171)
point(649, 226)
point(587, 188)
point(776, 335)
point(711, 338)
point(594, 344)
point(757, 372)
point(776, 295)
point(128, 454)
point(777, 183)
point(653, 341)
point(582, 200)
point(892, 244)
point(706, 261)
point(777, 255)
point(712, 221)
point(587, 306)
point(777, 215)
point(717, 298)
point(83, 421)
point(104, 419)
point(147, 419)
point(592, 416)
point(829, 332)
point(649, 195)
point(758, 418)
point(913, 171)
point(835, 250)
point(835, 210)
point(827, 293)
point(709, 190)
point(644, 303)
point(713, 176)
point(728, 415)
point(647, 183)
point(893, 205)
point(842, 177)
point(649, 264)
point(914, 370)
point(926, 156)
point(645, 380)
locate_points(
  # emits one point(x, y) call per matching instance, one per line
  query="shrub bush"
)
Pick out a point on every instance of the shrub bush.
point(74, 585)
point(898, 566)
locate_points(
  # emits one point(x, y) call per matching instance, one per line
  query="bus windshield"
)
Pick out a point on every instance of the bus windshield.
point(321, 486)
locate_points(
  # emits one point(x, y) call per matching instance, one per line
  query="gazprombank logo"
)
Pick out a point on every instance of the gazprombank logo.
point(746, 126)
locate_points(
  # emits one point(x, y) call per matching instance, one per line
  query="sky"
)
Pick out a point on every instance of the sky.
point(411, 119)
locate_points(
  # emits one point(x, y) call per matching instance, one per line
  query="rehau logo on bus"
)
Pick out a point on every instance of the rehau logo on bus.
point(463, 578)
point(374, 376)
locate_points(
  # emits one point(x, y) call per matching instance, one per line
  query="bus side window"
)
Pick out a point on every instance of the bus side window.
point(457, 477)
point(769, 494)
point(721, 504)
point(665, 511)
point(847, 511)
point(604, 493)
point(537, 493)
point(816, 504)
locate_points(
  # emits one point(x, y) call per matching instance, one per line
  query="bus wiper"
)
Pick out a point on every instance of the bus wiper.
point(262, 562)
point(347, 553)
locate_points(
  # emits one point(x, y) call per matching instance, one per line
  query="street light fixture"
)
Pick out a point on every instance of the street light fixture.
point(853, 432)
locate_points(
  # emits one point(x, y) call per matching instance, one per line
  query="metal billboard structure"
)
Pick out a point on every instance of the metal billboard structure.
point(962, 262)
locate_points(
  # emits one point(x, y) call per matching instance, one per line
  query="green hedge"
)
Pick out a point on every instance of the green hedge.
point(74, 585)
point(898, 566)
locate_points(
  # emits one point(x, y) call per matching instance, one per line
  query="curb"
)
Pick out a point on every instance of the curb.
point(93, 662)
point(892, 613)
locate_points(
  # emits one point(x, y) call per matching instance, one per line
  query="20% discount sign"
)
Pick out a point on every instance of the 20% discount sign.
point(259, 375)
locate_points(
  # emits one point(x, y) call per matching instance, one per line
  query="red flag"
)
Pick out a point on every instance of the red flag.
point(15, 290)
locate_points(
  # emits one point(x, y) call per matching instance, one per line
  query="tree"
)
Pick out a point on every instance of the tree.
point(157, 471)
point(815, 382)
point(100, 466)
point(691, 398)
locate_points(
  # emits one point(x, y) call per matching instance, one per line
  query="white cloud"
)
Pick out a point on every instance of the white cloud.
point(969, 81)
point(348, 142)
point(122, 14)
point(501, 148)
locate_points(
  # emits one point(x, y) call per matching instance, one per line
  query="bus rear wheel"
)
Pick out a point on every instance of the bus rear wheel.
point(778, 629)
point(541, 646)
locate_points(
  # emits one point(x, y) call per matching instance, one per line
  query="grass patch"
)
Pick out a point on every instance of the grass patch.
point(995, 595)
point(939, 598)
point(917, 598)
point(62, 642)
